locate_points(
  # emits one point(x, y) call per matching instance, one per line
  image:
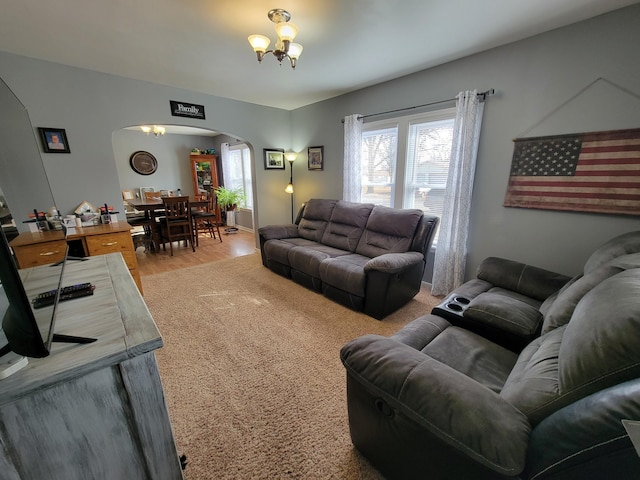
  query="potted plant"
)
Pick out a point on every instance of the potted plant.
point(228, 199)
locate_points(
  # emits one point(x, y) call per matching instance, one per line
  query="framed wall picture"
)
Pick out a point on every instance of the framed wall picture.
point(315, 156)
point(54, 140)
point(274, 158)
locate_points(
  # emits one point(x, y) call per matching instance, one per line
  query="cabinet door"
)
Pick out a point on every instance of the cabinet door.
point(113, 243)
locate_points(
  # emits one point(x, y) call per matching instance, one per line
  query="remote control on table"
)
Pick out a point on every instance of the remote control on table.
point(67, 293)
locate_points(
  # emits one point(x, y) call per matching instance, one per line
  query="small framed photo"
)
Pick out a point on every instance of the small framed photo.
point(274, 158)
point(54, 140)
point(315, 156)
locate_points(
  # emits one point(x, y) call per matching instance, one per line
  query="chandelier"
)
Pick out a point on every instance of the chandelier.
point(157, 130)
point(286, 33)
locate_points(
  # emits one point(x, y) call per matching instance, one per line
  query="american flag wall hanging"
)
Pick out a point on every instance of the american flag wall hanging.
point(584, 172)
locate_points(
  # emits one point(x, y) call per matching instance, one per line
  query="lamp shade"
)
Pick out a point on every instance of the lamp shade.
point(286, 31)
point(289, 188)
point(291, 156)
point(295, 49)
point(260, 43)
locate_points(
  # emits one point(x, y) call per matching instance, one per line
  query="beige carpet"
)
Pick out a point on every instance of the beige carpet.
point(252, 373)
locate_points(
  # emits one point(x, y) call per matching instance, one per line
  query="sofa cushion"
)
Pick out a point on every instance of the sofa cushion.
point(307, 259)
point(600, 345)
point(533, 382)
point(346, 273)
point(346, 225)
point(388, 230)
point(562, 308)
point(620, 245)
point(278, 250)
point(504, 312)
point(475, 356)
point(525, 279)
point(315, 217)
point(598, 348)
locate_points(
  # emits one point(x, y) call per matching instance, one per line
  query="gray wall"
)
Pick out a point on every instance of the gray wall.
point(91, 106)
point(171, 152)
point(532, 78)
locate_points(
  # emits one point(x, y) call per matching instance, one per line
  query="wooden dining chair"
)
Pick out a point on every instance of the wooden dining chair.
point(176, 223)
point(206, 219)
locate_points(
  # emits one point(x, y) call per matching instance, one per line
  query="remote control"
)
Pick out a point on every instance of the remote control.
point(45, 299)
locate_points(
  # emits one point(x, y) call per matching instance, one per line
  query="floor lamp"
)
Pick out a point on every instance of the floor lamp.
point(291, 158)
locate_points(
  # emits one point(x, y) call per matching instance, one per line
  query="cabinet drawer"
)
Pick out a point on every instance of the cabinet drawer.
point(109, 243)
point(40, 253)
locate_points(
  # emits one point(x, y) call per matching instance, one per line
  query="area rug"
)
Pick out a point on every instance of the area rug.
point(252, 375)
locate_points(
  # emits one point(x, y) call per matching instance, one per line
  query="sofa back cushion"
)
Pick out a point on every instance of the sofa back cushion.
point(315, 217)
point(389, 230)
point(620, 245)
point(528, 280)
point(346, 225)
point(598, 348)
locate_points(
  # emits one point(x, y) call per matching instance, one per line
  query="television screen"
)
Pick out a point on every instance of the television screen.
point(19, 322)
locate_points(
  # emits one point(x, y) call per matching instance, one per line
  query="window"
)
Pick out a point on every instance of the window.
point(239, 174)
point(405, 161)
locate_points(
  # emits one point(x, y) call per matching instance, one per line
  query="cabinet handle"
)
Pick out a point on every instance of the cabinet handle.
point(46, 254)
point(108, 244)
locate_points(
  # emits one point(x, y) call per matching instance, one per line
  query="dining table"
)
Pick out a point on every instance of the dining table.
point(154, 208)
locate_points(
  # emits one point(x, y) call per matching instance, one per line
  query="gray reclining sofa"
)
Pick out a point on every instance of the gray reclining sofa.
point(509, 301)
point(367, 257)
point(438, 401)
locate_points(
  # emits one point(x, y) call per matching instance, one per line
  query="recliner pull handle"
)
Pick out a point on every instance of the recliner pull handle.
point(384, 408)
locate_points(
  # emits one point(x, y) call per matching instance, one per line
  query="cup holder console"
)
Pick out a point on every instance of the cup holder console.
point(452, 306)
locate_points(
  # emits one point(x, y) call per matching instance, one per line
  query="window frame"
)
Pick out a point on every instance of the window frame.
point(403, 124)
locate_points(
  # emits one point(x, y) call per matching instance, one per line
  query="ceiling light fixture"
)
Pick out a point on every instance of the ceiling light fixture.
point(158, 131)
point(286, 33)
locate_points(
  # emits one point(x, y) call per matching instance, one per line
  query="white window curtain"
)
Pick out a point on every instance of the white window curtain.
point(226, 161)
point(451, 250)
point(352, 183)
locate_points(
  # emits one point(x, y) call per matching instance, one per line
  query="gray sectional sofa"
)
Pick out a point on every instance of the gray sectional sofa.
point(512, 303)
point(439, 401)
point(367, 257)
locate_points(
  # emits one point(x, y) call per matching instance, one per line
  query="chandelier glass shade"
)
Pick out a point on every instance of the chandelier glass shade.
point(157, 130)
point(284, 48)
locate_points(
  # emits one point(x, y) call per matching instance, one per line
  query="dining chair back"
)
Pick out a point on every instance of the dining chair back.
point(176, 224)
point(207, 219)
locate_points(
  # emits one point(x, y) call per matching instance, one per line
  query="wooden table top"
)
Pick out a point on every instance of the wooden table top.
point(153, 204)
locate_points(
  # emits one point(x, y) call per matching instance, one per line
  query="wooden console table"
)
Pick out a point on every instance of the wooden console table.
point(41, 248)
point(90, 410)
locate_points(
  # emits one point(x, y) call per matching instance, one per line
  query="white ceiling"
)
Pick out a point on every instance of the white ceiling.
point(201, 45)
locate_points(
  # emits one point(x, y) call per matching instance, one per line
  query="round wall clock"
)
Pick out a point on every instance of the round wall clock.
point(143, 162)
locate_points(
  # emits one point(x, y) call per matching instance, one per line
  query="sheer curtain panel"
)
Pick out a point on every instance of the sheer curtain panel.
point(226, 162)
point(451, 249)
point(352, 188)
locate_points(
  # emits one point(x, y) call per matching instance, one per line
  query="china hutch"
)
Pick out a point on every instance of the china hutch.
point(204, 173)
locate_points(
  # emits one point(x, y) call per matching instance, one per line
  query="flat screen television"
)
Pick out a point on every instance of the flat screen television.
point(24, 335)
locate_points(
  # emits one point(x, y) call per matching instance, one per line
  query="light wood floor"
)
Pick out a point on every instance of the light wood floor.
point(209, 250)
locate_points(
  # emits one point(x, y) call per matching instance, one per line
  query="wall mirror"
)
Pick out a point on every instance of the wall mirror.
point(24, 186)
point(23, 179)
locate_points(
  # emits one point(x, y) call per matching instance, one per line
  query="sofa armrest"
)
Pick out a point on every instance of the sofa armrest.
point(525, 279)
point(393, 262)
point(274, 232)
point(459, 411)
